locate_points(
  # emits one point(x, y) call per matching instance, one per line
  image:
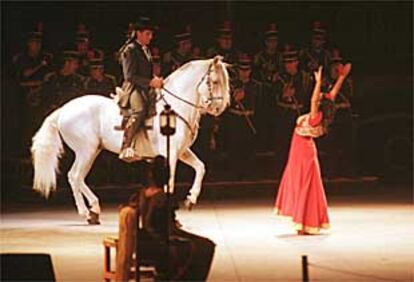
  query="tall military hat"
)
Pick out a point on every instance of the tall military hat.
point(144, 23)
point(225, 30)
point(96, 63)
point(183, 35)
point(82, 34)
point(318, 30)
point(36, 34)
point(271, 31)
point(244, 61)
point(290, 53)
point(70, 55)
point(335, 56)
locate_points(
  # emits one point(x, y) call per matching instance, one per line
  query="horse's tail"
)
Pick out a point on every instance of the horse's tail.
point(46, 149)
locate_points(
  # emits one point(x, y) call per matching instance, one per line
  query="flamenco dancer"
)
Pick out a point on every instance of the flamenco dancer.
point(301, 194)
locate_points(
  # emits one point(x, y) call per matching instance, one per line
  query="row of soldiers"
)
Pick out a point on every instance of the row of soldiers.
point(269, 88)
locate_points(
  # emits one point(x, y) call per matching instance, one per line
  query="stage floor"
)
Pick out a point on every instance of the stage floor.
point(370, 240)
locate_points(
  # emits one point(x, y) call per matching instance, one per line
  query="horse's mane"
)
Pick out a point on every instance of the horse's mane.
point(182, 69)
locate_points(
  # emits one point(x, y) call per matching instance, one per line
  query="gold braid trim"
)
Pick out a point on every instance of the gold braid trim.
point(300, 226)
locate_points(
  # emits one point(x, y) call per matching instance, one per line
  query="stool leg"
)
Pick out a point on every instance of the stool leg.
point(107, 262)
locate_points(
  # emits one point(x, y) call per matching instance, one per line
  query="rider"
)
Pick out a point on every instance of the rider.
point(137, 100)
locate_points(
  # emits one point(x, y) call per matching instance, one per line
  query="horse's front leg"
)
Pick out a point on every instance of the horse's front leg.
point(189, 158)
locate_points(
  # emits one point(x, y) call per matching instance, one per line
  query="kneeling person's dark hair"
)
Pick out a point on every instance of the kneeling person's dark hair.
point(158, 172)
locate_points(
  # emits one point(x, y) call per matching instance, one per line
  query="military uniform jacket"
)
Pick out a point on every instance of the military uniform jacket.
point(247, 105)
point(301, 82)
point(266, 65)
point(23, 62)
point(137, 68)
point(311, 59)
point(104, 87)
point(63, 87)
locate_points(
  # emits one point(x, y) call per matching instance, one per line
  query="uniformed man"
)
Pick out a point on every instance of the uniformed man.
point(34, 63)
point(138, 102)
point(316, 54)
point(293, 88)
point(240, 119)
point(268, 62)
point(338, 144)
point(182, 54)
point(31, 66)
point(65, 84)
point(29, 69)
point(267, 66)
point(224, 46)
point(86, 52)
point(98, 82)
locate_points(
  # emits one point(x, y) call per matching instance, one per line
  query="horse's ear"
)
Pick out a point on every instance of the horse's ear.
point(217, 59)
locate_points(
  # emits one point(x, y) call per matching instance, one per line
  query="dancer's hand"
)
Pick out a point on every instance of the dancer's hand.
point(318, 74)
point(344, 70)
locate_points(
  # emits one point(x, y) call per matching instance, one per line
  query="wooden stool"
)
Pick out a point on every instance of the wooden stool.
point(147, 270)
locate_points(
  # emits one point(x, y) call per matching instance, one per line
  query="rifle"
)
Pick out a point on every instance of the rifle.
point(286, 85)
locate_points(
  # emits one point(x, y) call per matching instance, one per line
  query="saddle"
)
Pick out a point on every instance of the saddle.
point(126, 113)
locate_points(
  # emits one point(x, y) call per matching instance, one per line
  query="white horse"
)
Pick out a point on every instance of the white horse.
point(86, 124)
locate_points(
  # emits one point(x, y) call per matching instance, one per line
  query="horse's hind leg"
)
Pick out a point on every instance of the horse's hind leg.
point(76, 176)
point(189, 158)
point(86, 191)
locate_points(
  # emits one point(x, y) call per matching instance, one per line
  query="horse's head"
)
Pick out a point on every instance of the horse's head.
point(210, 81)
point(214, 87)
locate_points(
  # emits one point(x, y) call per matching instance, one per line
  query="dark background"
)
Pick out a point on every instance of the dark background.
point(375, 36)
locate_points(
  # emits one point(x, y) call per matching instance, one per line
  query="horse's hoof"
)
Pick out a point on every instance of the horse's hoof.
point(93, 218)
point(188, 204)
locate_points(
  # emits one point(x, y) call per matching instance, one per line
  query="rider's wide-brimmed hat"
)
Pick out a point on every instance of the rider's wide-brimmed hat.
point(144, 23)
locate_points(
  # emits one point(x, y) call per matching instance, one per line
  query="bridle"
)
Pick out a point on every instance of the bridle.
point(207, 77)
point(211, 98)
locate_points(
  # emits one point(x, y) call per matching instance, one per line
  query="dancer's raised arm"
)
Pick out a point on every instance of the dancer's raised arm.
point(316, 95)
